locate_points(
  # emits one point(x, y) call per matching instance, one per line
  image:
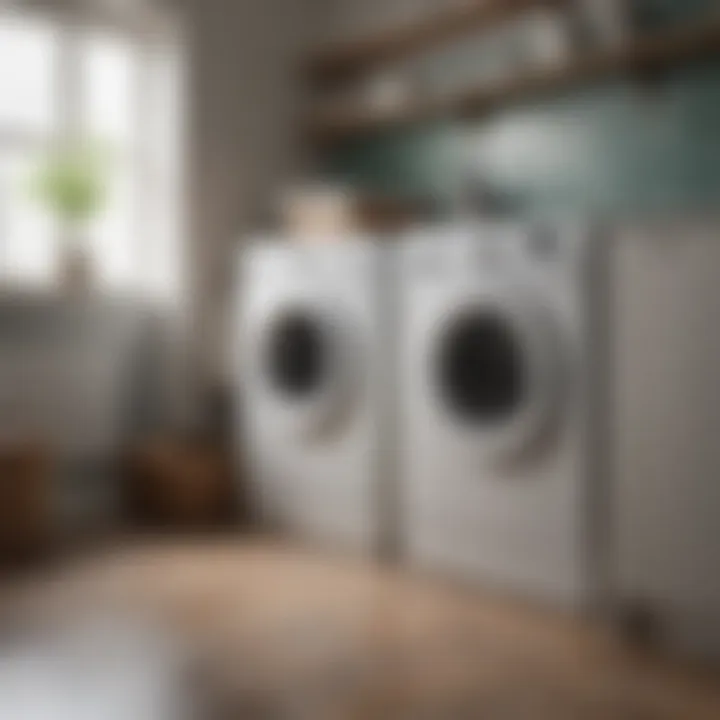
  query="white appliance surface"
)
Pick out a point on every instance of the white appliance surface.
point(494, 380)
point(312, 387)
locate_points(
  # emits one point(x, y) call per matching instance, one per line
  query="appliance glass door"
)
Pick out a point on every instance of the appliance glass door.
point(481, 374)
point(308, 365)
point(298, 355)
point(493, 374)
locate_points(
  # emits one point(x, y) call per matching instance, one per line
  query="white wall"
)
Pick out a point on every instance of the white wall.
point(345, 18)
point(245, 102)
point(137, 16)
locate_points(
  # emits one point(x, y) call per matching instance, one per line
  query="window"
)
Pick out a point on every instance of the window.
point(26, 97)
point(27, 235)
point(123, 92)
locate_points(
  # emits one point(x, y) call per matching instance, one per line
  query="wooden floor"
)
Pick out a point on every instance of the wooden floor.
point(280, 632)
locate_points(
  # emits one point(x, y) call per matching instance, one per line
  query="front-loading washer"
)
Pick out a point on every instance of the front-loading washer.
point(309, 359)
point(498, 475)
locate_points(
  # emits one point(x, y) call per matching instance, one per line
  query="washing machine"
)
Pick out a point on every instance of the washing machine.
point(312, 389)
point(500, 474)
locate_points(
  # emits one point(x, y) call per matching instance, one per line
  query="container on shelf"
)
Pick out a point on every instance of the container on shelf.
point(606, 23)
point(544, 38)
point(318, 212)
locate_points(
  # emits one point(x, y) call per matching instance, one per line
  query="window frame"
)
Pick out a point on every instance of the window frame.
point(69, 121)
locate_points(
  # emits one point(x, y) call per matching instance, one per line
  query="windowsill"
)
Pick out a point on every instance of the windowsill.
point(27, 296)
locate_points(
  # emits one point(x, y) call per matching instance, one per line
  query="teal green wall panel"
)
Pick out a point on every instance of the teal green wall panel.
point(619, 149)
point(409, 161)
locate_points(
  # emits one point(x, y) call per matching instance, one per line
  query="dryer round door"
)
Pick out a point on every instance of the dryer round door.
point(305, 368)
point(494, 367)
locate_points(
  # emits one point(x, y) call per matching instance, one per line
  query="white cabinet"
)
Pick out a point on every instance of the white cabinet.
point(68, 372)
point(666, 496)
point(83, 378)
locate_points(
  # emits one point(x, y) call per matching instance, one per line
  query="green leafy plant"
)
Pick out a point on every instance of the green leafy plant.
point(72, 183)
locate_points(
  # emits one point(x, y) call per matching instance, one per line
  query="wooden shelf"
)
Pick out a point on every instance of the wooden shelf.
point(334, 125)
point(652, 53)
point(338, 61)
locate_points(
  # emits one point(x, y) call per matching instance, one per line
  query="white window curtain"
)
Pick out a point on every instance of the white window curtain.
point(58, 81)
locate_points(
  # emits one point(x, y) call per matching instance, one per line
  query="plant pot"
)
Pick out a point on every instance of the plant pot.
point(76, 276)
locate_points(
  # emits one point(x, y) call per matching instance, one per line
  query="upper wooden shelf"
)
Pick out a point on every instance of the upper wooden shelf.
point(339, 60)
point(656, 52)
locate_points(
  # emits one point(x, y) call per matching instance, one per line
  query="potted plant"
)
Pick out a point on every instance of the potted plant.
point(71, 184)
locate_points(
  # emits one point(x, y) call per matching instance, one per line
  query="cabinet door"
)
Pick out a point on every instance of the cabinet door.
point(66, 376)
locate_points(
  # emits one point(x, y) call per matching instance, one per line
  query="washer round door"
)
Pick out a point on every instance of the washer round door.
point(305, 367)
point(494, 369)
